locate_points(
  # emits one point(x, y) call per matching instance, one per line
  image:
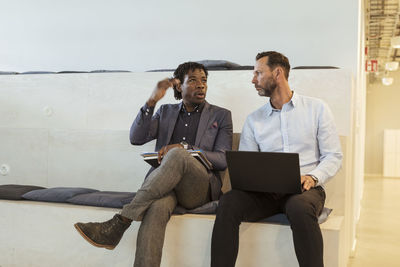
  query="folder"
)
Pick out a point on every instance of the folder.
point(152, 158)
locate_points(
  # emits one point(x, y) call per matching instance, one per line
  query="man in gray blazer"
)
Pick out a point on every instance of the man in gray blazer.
point(180, 178)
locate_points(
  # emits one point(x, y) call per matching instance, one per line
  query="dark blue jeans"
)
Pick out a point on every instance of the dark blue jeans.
point(302, 211)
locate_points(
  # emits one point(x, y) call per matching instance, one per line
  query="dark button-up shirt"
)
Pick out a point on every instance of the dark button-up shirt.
point(186, 125)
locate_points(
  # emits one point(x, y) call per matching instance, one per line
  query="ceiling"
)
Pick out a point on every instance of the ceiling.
point(382, 23)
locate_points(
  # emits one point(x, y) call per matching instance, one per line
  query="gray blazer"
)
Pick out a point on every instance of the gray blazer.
point(214, 135)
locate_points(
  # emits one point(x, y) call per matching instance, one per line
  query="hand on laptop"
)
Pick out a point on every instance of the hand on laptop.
point(307, 182)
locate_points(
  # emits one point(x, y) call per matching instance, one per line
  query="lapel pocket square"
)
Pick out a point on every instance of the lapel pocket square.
point(214, 125)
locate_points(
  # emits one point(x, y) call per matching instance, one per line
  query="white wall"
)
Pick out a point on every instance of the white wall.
point(382, 113)
point(56, 35)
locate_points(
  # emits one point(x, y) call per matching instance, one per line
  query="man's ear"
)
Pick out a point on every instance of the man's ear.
point(279, 72)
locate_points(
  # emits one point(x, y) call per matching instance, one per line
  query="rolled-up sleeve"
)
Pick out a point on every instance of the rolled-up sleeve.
point(329, 147)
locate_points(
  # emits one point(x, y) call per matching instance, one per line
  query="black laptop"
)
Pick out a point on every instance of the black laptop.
point(274, 172)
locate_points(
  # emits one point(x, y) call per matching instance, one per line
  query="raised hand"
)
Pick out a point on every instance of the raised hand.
point(161, 89)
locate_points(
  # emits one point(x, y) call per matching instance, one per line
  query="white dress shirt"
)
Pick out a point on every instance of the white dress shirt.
point(304, 125)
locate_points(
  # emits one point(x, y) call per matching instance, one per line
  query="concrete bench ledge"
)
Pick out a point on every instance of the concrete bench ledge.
point(42, 234)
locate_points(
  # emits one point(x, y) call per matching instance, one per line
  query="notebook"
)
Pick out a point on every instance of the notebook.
point(273, 172)
point(152, 158)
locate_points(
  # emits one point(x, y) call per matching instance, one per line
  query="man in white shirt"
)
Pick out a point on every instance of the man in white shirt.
point(289, 122)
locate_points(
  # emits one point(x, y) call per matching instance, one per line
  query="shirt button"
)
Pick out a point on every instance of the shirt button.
point(147, 109)
point(147, 113)
point(184, 138)
point(186, 124)
point(188, 114)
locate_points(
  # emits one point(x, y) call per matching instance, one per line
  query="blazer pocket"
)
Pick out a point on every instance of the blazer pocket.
point(211, 132)
point(209, 138)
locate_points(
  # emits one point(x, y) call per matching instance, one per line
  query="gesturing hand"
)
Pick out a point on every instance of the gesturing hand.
point(161, 89)
point(307, 182)
point(164, 150)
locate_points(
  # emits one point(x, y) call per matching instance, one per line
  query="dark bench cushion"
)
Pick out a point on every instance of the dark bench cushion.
point(16, 191)
point(208, 208)
point(282, 218)
point(56, 194)
point(108, 199)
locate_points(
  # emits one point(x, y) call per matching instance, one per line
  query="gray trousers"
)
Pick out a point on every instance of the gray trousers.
point(179, 179)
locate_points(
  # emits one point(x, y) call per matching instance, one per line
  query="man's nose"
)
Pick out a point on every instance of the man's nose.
point(200, 84)
point(254, 80)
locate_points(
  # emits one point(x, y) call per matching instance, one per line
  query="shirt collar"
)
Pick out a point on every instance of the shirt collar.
point(198, 108)
point(294, 99)
point(270, 109)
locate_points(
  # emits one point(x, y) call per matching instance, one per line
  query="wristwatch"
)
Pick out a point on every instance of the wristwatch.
point(314, 178)
point(185, 145)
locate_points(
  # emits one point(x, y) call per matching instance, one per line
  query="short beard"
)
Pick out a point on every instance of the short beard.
point(268, 89)
point(263, 92)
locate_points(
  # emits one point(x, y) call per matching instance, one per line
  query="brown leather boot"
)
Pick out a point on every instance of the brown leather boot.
point(106, 234)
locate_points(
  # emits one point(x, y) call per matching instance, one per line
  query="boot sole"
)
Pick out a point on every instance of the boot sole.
point(90, 240)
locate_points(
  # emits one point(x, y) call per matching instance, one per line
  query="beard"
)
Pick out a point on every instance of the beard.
point(268, 88)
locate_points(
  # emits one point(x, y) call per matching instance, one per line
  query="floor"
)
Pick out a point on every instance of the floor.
point(378, 231)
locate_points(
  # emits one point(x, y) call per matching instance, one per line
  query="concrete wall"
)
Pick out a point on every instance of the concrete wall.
point(39, 234)
point(72, 129)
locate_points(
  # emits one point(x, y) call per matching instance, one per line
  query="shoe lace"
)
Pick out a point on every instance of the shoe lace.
point(109, 225)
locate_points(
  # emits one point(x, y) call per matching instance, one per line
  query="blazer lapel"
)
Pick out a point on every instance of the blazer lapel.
point(204, 118)
point(172, 121)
